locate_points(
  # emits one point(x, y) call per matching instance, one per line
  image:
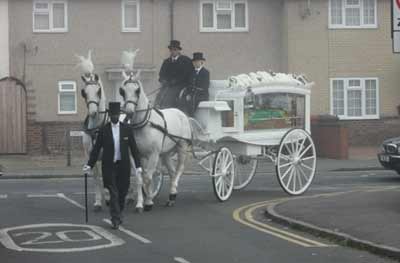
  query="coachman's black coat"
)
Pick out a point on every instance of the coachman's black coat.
point(105, 140)
point(197, 92)
point(174, 76)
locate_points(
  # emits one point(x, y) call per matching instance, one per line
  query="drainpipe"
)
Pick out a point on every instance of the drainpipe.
point(171, 16)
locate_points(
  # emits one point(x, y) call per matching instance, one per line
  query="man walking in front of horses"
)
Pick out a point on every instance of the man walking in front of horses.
point(116, 139)
point(175, 75)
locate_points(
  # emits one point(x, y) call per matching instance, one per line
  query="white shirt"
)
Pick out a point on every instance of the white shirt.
point(115, 132)
point(198, 69)
point(174, 59)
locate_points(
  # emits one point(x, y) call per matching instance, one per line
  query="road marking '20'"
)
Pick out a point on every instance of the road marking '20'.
point(62, 236)
point(71, 238)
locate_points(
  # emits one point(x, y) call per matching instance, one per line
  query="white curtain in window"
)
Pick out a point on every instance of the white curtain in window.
point(370, 97)
point(352, 16)
point(208, 15)
point(353, 2)
point(336, 12)
point(240, 15)
point(224, 4)
point(369, 12)
point(67, 101)
point(338, 97)
point(354, 104)
point(131, 15)
point(224, 21)
point(42, 22)
point(58, 15)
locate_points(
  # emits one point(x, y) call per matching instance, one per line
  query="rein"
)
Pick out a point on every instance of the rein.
point(93, 131)
point(142, 123)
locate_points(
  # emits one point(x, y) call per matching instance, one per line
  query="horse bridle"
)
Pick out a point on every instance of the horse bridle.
point(122, 92)
point(87, 83)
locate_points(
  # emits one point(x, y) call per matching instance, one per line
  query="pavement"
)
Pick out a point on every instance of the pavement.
point(25, 166)
point(366, 218)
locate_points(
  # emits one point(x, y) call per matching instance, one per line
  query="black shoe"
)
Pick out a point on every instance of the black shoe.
point(115, 224)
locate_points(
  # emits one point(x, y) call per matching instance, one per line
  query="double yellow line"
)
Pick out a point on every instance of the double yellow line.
point(244, 215)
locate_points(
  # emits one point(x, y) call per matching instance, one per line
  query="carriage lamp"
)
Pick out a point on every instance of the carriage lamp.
point(249, 98)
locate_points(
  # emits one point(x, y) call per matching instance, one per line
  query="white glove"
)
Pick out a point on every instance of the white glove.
point(86, 168)
point(139, 170)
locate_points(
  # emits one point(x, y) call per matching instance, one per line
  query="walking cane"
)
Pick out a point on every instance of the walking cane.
point(86, 210)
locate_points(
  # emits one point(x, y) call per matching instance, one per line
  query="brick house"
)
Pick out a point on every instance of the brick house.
point(342, 45)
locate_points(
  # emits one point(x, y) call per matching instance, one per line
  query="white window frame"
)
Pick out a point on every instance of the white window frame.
point(50, 4)
point(130, 29)
point(232, 9)
point(60, 84)
point(346, 87)
point(343, 25)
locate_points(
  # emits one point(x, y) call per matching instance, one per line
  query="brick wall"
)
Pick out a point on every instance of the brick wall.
point(372, 132)
point(51, 137)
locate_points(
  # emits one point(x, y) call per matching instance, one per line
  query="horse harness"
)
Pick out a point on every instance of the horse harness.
point(146, 120)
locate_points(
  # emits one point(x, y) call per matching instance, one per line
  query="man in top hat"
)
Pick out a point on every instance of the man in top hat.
point(116, 139)
point(175, 75)
point(198, 91)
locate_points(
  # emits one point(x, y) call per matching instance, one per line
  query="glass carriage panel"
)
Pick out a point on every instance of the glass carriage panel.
point(228, 117)
point(275, 111)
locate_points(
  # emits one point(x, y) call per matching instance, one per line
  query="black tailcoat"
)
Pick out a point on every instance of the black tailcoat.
point(176, 73)
point(201, 82)
point(105, 140)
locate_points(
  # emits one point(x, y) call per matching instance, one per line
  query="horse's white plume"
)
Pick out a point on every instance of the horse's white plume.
point(86, 64)
point(128, 59)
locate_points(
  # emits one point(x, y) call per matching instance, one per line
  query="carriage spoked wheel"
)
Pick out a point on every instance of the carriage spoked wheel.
point(223, 174)
point(246, 167)
point(296, 161)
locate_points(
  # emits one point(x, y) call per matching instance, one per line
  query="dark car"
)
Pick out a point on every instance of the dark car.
point(389, 155)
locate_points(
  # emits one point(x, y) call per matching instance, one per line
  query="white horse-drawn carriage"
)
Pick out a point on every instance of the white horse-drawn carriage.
point(247, 117)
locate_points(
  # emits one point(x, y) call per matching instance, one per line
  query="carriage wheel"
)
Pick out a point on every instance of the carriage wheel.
point(223, 174)
point(245, 170)
point(157, 182)
point(296, 161)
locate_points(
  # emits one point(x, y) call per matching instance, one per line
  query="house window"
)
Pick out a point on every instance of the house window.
point(223, 16)
point(130, 16)
point(355, 98)
point(352, 14)
point(67, 97)
point(50, 16)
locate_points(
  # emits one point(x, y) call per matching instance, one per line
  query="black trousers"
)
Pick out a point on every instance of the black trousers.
point(118, 190)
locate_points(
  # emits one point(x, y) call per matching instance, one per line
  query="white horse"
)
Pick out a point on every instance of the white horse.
point(95, 99)
point(159, 134)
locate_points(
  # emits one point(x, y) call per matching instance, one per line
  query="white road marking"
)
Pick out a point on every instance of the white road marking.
point(130, 233)
point(3, 196)
point(181, 260)
point(41, 195)
point(8, 242)
point(61, 195)
point(82, 193)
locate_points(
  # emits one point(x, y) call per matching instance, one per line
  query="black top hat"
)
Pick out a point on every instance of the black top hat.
point(114, 108)
point(198, 56)
point(175, 44)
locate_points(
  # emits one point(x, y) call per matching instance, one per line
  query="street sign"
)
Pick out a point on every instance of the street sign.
point(396, 25)
point(76, 133)
point(396, 41)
